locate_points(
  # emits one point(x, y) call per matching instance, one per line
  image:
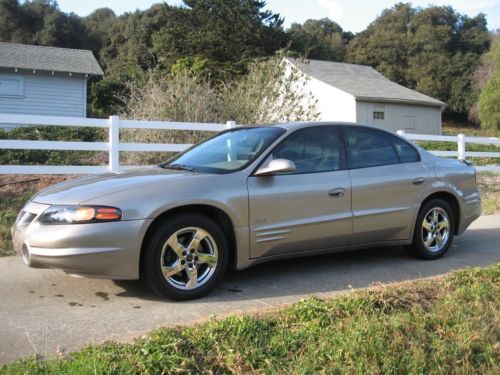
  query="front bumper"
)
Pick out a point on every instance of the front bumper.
point(109, 250)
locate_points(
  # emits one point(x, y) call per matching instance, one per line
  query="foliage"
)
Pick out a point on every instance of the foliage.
point(227, 32)
point(265, 95)
point(447, 325)
point(104, 97)
point(9, 208)
point(40, 22)
point(26, 157)
point(321, 39)
point(269, 93)
point(489, 103)
point(171, 97)
point(489, 99)
point(434, 50)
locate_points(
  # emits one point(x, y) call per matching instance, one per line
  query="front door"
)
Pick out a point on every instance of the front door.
point(309, 209)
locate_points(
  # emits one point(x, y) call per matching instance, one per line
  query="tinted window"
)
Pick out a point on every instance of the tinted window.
point(312, 150)
point(406, 152)
point(369, 148)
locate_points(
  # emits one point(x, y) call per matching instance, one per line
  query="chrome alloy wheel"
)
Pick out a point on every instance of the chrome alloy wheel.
point(189, 258)
point(435, 229)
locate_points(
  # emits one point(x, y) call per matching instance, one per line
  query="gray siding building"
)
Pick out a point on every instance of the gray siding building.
point(48, 81)
point(358, 93)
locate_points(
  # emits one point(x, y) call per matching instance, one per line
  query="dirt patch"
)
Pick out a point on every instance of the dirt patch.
point(490, 180)
point(489, 186)
point(12, 186)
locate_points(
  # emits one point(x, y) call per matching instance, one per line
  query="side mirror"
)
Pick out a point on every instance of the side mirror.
point(277, 166)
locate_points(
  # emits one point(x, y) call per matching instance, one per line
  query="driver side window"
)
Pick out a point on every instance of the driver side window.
point(313, 150)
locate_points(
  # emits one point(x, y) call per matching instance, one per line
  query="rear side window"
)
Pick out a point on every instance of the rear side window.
point(406, 152)
point(369, 148)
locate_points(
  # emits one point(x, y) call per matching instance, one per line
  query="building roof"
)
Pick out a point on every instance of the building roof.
point(52, 59)
point(363, 82)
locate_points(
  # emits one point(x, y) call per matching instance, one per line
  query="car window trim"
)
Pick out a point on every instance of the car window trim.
point(392, 136)
point(343, 152)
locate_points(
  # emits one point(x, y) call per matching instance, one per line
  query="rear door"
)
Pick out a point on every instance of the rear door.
point(308, 209)
point(388, 180)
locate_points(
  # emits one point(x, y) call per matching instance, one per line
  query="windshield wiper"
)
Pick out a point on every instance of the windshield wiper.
point(178, 167)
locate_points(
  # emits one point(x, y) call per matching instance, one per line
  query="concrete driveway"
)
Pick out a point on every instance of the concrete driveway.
point(46, 311)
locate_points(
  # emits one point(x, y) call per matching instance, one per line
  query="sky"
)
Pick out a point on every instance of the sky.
point(352, 15)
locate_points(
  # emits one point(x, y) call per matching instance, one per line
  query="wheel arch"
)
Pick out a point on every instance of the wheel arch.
point(449, 198)
point(220, 217)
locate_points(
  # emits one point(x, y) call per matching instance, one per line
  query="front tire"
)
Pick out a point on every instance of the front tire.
point(434, 230)
point(185, 257)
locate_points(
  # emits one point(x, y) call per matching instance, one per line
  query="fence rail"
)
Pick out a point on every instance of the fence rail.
point(461, 141)
point(113, 147)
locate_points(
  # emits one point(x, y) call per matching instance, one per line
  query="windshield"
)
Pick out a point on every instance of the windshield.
point(226, 152)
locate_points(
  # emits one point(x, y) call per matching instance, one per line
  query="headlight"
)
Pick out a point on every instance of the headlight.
point(79, 214)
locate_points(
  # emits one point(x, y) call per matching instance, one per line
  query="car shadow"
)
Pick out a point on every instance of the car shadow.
point(330, 273)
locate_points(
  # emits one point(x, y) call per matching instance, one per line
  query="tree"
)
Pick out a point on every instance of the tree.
point(321, 39)
point(444, 50)
point(434, 50)
point(227, 32)
point(384, 44)
point(40, 22)
point(489, 99)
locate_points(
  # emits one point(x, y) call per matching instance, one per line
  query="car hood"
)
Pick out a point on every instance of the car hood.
point(84, 189)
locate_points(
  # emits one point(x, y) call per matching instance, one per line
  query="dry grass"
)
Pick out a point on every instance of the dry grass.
point(15, 190)
point(489, 186)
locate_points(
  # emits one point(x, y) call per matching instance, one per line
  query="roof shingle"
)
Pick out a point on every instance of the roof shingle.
point(363, 82)
point(52, 59)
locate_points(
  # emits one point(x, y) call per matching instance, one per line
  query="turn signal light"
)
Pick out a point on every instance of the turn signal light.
point(108, 213)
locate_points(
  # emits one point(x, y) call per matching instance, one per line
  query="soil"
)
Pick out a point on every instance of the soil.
point(12, 186)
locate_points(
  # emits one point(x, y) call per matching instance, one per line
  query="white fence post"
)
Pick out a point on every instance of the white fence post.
point(114, 144)
point(461, 147)
point(229, 125)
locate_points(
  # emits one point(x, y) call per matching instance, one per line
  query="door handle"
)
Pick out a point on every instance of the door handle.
point(418, 181)
point(337, 193)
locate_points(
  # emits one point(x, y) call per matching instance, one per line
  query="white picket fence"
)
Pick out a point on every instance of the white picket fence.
point(461, 140)
point(114, 146)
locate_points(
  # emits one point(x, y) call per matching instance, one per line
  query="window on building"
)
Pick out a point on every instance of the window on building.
point(378, 115)
point(11, 86)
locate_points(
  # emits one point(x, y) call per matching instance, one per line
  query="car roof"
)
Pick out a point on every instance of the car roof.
point(298, 125)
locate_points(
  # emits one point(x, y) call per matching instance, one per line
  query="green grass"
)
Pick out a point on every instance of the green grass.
point(9, 208)
point(439, 326)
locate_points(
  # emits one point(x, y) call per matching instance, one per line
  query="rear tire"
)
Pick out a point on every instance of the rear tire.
point(434, 230)
point(185, 257)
